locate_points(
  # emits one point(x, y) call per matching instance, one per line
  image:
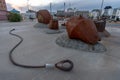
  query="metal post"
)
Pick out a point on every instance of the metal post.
point(64, 6)
point(50, 7)
point(64, 11)
point(101, 7)
point(69, 4)
point(28, 4)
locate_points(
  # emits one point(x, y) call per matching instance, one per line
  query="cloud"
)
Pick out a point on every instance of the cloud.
point(59, 4)
point(9, 7)
point(43, 2)
point(20, 3)
point(16, 4)
point(80, 5)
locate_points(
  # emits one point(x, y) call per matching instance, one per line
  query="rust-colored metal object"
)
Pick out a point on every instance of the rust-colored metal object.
point(100, 25)
point(83, 29)
point(53, 24)
point(63, 24)
point(44, 16)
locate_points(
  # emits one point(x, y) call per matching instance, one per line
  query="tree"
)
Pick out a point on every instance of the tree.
point(14, 17)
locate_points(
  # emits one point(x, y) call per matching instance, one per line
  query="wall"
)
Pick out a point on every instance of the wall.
point(3, 10)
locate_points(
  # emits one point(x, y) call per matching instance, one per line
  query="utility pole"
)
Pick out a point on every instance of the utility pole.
point(69, 5)
point(101, 7)
point(64, 6)
point(64, 11)
point(28, 4)
point(50, 7)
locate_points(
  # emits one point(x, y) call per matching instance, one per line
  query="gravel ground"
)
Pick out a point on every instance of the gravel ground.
point(64, 41)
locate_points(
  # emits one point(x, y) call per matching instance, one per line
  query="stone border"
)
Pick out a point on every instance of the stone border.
point(64, 41)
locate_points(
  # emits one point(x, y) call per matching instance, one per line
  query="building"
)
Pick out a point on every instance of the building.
point(60, 13)
point(116, 14)
point(82, 13)
point(3, 10)
point(108, 11)
point(95, 14)
point(3, 5)
point(15, 11)
point(30, 14)
point(70, 10)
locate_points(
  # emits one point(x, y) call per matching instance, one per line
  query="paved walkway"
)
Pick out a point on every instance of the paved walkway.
point(39, 48)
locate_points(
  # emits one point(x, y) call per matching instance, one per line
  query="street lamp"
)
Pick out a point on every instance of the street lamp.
point(64, 6)
point(101, 7)
point(28, 4)
point(50, 7)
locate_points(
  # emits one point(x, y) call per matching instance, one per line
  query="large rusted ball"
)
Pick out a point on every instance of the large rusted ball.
point(44, 16)
point(83, 29)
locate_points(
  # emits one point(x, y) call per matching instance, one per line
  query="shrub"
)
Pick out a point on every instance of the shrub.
point(14, 17)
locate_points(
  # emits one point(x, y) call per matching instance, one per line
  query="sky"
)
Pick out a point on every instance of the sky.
point(36, 5)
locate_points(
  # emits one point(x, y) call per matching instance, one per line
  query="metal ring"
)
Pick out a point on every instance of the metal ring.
point(60, 65)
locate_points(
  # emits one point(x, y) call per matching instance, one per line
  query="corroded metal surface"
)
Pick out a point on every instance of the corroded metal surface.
point(83, 29)
point(100, 25)
point(53, 24)
point(44, 16)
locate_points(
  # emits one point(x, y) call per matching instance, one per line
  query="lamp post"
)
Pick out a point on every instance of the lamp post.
point(101, 7)
point(64, 6)
point(50, 7)
point(28, 4)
